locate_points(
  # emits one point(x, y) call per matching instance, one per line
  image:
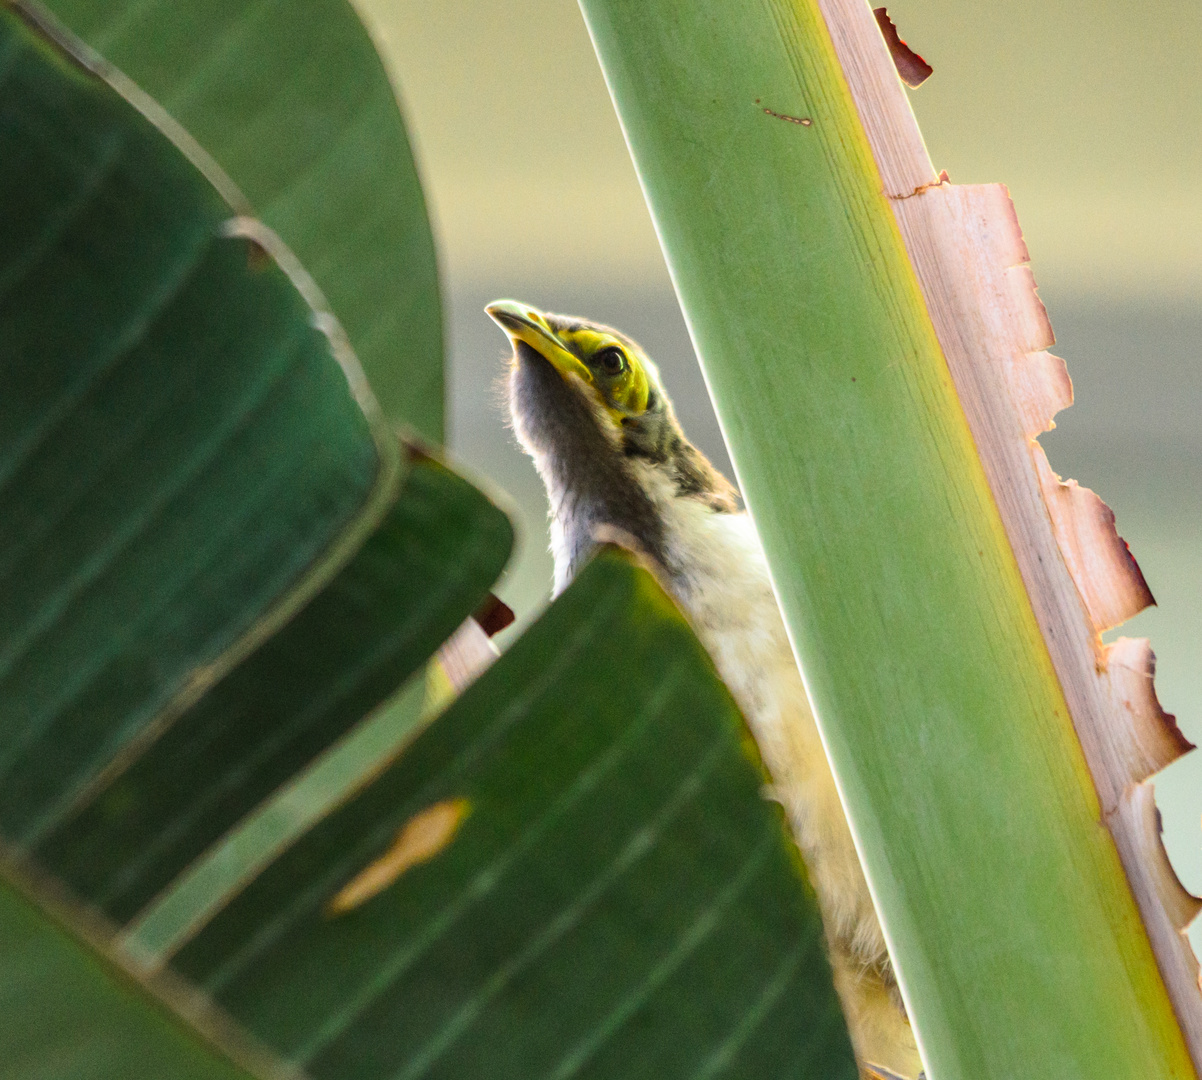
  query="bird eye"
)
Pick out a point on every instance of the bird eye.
point(610, 360)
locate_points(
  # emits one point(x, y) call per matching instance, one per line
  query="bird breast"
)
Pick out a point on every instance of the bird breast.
point(719, 576)
point(720, 579)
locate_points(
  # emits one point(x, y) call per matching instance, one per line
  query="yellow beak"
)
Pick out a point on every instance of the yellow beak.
point(526, 324)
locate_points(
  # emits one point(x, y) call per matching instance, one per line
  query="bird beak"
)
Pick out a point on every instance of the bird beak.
point(526, 324)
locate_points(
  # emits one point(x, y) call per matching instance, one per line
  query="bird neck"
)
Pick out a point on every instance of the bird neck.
point(585, 501)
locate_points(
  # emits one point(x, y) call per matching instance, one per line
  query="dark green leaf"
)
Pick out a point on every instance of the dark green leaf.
point(619, 901)
point(183, 469)
point(178, 445)
point(293, 102)
point(72, 1014)
point(415, 579)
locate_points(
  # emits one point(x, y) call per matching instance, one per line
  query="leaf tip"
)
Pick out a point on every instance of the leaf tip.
point(494, 615)
point(912, 68)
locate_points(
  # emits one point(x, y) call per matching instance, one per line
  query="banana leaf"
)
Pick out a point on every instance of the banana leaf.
point(1019, 948)
point(293, 102)
point(221, 565)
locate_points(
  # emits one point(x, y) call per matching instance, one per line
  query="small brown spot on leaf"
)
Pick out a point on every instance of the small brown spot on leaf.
point(421, 838)
point(912, 68)
point(804, 121)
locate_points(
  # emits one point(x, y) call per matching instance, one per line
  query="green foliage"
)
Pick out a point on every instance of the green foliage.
point(294, 104)
point(178, 445)
point(1017, 941)
point(425, 567)
point(216, 564)
point(70, 1013)
point(618, 902)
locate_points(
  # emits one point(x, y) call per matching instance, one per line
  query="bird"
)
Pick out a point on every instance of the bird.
point(588, 405)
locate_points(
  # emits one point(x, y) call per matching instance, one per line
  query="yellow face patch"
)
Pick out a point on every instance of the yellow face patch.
point(628, 390)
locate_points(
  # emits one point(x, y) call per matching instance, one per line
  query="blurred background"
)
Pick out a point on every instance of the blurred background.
point(1089, 110)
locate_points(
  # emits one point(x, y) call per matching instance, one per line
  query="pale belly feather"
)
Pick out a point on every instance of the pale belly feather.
point(721, 582)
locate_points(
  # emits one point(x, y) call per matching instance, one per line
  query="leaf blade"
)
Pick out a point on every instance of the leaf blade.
point(590, 803)
point(167, 408)
point(106, 1026)
point(295, 105)
point(415, 579)
point(968, 794)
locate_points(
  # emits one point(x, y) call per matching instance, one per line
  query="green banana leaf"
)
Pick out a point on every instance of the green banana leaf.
point(219, 564)
point(618, 899)
point(425, 568)
point(1018, 944)
point(293, 102)
point(70, 1011)
point(180, 447)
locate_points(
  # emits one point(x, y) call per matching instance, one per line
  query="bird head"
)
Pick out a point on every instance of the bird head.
point(606, 371)
point(589, 407)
